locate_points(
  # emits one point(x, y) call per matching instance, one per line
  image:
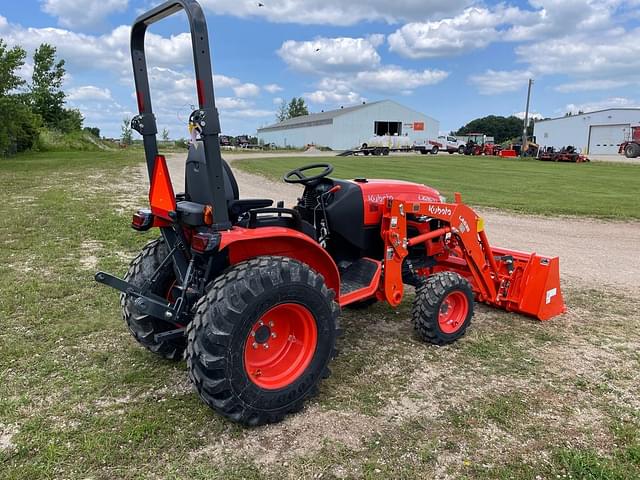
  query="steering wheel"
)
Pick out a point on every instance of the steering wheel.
point(300, 177)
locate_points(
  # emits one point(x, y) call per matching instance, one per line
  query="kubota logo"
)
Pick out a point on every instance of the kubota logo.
point(378, 198)
point(437, 210)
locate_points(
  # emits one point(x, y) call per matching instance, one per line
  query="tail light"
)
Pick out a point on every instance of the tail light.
point(142, 220)
point(205, 242)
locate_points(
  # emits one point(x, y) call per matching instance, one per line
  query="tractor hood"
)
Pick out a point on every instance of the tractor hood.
point(376, 192)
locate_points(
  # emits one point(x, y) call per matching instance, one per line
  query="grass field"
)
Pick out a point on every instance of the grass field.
point(598, 189)
point(80, 399)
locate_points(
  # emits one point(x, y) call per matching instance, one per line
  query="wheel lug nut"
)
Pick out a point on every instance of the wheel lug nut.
point(255, 345)
point(273, 335)
point(261, 323)
point(265, 345)
point(271, 324)
point(253, 334)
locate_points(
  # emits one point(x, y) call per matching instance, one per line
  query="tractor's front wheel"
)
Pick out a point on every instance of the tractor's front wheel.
point(442, 308)
point(262, 339)
point(144, 327)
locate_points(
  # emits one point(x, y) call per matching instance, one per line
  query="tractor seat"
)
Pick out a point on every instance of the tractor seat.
point(199, 189)
point(197, 186)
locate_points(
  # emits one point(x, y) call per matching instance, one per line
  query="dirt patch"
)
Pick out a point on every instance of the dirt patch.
point(298, 435)
point(7, 432)
point(89, 250)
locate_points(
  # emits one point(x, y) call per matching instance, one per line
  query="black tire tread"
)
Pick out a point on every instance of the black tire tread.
point(142, 327)
point(210, 332)
point(426, 306)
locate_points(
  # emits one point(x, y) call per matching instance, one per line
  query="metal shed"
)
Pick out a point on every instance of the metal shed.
point(349, 127)
point(596, 133)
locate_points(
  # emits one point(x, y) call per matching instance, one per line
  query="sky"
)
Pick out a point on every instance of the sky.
point(454, 60)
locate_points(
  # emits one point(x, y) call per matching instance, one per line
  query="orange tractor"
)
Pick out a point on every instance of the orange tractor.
point(250, 294)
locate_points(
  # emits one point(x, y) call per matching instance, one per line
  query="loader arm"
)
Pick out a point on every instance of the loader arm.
point(515, 281)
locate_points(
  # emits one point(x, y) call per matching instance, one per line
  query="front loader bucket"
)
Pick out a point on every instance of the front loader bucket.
point(535, 285)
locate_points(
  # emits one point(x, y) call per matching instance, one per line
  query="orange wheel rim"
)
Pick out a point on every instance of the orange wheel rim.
point(280, 346)
point(453, 312)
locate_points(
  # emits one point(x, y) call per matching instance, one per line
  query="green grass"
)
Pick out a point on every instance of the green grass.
point(80, 399)
point(597, 189)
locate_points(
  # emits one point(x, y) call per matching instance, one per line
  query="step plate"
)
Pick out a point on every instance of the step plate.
point(358, 275)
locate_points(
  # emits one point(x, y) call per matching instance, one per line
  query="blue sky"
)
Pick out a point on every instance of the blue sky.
point(452, 59)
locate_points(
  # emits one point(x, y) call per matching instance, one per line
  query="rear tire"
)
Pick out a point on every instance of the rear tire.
point(442, 308)
point(143, 327)
point(435, 150)
point(632, 150)
point(232, 370)
point(461, 149)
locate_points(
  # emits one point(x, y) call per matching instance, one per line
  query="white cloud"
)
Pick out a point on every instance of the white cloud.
point(344, 90)
point(89, 92)
point(392, 78)
point(75, 14)
point(278, 100)
point(588, 85)
point(250, 113)
point(336, 12)
point(494, 82)
point(273, 88)
point(612, 102)
point(609, 55)
point(472, 29)
point(222, 81)
point(477, 27)
point(330, 55)
point(108, 52)
point(534, 115)
point(334, 92)
point(247, 90)
point(231, 103)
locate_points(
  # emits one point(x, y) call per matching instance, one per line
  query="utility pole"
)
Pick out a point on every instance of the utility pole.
point(526, 121)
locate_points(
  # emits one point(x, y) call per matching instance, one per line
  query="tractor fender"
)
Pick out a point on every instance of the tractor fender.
point(246, 243)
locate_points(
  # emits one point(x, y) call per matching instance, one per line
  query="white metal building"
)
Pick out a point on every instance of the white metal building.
point(350, 127)
point(596, 133)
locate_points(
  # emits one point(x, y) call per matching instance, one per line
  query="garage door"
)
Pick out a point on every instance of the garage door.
point(605, 139)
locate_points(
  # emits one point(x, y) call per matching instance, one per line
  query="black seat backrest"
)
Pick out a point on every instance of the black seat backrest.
point(196, 184)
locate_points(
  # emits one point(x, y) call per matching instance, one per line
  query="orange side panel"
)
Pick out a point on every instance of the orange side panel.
point(161, 196)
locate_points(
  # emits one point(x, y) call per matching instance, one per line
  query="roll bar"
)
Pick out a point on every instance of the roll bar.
point(206, 116)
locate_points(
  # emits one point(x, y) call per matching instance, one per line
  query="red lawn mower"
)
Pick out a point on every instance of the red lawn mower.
point(251, 294)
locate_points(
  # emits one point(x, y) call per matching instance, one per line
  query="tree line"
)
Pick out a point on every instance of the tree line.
point(500, 128)
point(28, 107)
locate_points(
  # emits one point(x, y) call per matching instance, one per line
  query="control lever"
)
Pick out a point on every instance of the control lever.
point(324, 223)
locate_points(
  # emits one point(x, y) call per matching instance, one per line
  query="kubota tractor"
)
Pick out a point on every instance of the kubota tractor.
point(251, 294)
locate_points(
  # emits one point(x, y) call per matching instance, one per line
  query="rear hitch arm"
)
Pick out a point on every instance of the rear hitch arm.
point(146, 304)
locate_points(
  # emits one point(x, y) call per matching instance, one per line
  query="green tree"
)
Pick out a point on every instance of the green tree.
point(19, 126)
point(95, 131)
point(297, 108)
point(501, 128)
point(10, 61)
point(47, 96)
point(71, 120)
point(127, 134)
point(283, 112)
